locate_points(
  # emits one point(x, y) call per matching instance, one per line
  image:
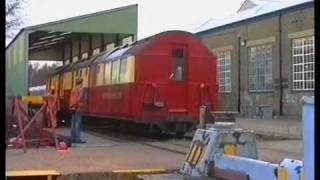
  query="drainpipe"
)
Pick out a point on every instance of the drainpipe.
point(280, 61)
point(239, 46)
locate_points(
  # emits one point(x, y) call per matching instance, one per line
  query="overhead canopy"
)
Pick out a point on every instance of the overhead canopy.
point(66, 39)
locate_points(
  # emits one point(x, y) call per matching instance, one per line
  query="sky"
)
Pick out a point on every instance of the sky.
point(154, 16)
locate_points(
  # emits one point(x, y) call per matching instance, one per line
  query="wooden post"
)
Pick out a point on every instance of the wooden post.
point(20, 124)
point(202, 119)
point(52, 108)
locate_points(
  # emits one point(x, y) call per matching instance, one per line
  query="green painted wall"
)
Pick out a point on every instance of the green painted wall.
point(17, 64)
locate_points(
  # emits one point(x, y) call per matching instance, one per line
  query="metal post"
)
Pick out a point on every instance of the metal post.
point(308, 137)
point(20, 124)
point(202, 119)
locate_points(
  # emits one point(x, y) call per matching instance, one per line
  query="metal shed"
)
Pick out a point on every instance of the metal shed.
point(67, 40)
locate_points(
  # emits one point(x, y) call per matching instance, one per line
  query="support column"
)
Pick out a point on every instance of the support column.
point(102, 47)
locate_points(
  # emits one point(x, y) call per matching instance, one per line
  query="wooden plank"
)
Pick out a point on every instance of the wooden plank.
point(32, 173)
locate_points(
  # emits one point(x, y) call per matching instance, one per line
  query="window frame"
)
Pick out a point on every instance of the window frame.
point(302, 64)
point(180, 61)
point(109, 65)
point(98, 71)
point(219, 73)
point(271, 45)
point(121, 81)
point(117, 73)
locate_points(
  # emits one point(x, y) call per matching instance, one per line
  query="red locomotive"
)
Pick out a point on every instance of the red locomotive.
point(160, 81)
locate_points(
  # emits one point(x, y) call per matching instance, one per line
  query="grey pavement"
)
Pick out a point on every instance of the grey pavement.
point(283, 127)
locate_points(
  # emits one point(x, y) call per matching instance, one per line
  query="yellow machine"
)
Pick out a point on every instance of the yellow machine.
point(33, 100)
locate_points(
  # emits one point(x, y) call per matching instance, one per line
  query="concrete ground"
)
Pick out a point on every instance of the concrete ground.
point(281, 127)
point(275, 151)
point(98, 154)
point(277, 138)
point(109, 153)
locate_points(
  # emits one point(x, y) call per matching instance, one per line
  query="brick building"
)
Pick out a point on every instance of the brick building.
point(266, 56)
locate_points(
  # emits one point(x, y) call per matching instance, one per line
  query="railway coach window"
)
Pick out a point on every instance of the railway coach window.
point(115, 71)
point(74, 78)
point(127, 70)
point(179, 56)
point(85, 77)
point(107, 73)
point(123, 70)
point(67, 80)
point(177, 53)
point(100, 74)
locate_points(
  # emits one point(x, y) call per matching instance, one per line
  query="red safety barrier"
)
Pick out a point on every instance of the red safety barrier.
point(34, 125)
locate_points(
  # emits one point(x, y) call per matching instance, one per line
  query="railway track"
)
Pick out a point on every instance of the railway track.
point(182, 145)
point(163, 142)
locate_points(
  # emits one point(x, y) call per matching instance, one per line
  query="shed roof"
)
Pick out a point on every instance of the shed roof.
point(91, 23)
point(257, 8)
point(44, 41)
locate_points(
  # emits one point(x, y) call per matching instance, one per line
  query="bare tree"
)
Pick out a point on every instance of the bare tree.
point(39, 74)
point(13, 20)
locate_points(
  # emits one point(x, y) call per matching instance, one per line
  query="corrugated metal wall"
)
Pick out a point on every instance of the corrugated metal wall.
point(17, 66)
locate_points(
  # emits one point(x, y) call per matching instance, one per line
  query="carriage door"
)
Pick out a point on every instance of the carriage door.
point(177, 86)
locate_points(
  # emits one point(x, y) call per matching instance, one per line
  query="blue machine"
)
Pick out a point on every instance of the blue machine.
point(231, 153)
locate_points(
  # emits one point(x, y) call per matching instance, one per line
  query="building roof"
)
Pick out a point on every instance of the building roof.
point(251, 9)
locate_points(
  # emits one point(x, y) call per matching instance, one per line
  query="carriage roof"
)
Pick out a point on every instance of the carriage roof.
point(119, 52)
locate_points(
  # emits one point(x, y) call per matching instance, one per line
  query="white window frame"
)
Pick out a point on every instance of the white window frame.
point(224, 77)
point(258, 65)
point(303, 50)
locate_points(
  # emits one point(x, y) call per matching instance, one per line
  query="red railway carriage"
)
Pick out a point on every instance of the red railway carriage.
point(160, 81)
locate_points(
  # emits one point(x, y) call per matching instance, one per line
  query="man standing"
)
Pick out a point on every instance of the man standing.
point(76, 107)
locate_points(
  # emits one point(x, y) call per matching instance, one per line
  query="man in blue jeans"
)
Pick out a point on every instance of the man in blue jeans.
point(76, 106)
